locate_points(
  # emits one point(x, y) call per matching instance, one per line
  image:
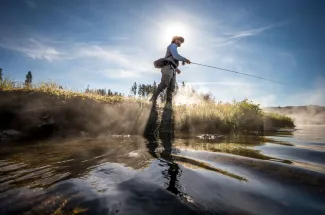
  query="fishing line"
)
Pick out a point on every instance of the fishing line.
point(214, 67)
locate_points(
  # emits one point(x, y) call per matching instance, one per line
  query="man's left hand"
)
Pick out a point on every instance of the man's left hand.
point(178, 71)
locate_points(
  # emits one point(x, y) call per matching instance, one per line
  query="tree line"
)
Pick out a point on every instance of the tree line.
point(103, 92)
point(145, 90)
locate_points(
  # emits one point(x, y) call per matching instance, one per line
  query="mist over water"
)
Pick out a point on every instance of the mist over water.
point(303, 115)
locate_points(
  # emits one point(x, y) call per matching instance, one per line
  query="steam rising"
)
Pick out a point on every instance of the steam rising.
point(310, 114)
point(303, 115)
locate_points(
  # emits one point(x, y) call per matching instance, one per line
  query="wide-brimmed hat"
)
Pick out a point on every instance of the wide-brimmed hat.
point(178, 38)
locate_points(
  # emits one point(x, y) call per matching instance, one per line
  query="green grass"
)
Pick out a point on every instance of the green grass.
point(278, 121)
point(243, 116)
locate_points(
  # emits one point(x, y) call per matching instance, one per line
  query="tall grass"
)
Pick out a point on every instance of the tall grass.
point(202, 117)
point(275, 120)
point(211, 117)
point(52, 88)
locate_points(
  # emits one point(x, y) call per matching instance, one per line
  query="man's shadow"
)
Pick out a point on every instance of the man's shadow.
point(165, 132)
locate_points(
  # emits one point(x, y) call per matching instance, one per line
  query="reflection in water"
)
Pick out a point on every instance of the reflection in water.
point(149, 132)
point(173, 171)
point(166, 135)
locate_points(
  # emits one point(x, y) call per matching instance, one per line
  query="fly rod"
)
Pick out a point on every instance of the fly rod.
point(214, 67)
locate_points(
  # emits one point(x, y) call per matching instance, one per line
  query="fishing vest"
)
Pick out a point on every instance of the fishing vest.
point(168, 59)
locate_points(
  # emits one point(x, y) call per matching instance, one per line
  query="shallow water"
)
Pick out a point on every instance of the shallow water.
point(281, 173)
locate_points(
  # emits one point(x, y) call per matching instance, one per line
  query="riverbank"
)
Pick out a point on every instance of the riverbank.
point(47, 110)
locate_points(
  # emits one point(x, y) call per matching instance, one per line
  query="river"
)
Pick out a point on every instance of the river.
point(280, 173)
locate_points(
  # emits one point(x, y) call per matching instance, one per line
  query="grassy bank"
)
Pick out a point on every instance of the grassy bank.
point(54, 89)
point(48, 109)
point(243, 116)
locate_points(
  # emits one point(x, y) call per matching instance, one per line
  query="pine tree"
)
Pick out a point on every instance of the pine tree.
point(101, 92)
point(29, 79)
point(1, 75)
point(148, 89)
point(134, 88)
point(143, 90)
point(140, 90)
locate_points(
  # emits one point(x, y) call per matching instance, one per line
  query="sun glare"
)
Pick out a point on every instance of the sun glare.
point(174, 29)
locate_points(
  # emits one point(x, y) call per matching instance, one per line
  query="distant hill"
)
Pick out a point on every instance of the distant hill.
point(302, 115)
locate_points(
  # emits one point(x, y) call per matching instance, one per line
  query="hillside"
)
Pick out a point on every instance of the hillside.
point(302, 115)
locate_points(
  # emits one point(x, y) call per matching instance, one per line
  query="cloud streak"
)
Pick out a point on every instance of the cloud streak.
point(49, 50)
point(99, 52)
point(232, 38)
point(251, 32)
point(32, 48)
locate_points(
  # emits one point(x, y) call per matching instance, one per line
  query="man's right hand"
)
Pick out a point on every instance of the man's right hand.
point(187, 61)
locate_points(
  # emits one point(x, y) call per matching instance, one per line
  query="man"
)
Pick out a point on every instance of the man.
point(168, 79)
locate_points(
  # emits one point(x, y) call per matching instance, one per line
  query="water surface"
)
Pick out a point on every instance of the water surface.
point(281, 173)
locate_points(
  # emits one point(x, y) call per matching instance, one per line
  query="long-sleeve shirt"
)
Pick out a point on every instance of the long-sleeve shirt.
point(172, 54)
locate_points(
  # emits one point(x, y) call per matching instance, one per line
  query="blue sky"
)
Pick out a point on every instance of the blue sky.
point(111, 44)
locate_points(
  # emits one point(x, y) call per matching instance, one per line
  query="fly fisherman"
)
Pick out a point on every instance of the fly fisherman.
point(169, 69)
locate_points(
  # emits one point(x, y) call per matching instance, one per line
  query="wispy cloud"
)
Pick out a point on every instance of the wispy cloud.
point(123, 64)
point(231, 38)
point(96, 51)
point(31, 4)
point(251, 32)
point(32, 48)
point(37, 50)
point(109, 61)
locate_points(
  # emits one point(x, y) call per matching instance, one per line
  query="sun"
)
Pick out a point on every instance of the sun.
point(174, 29)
